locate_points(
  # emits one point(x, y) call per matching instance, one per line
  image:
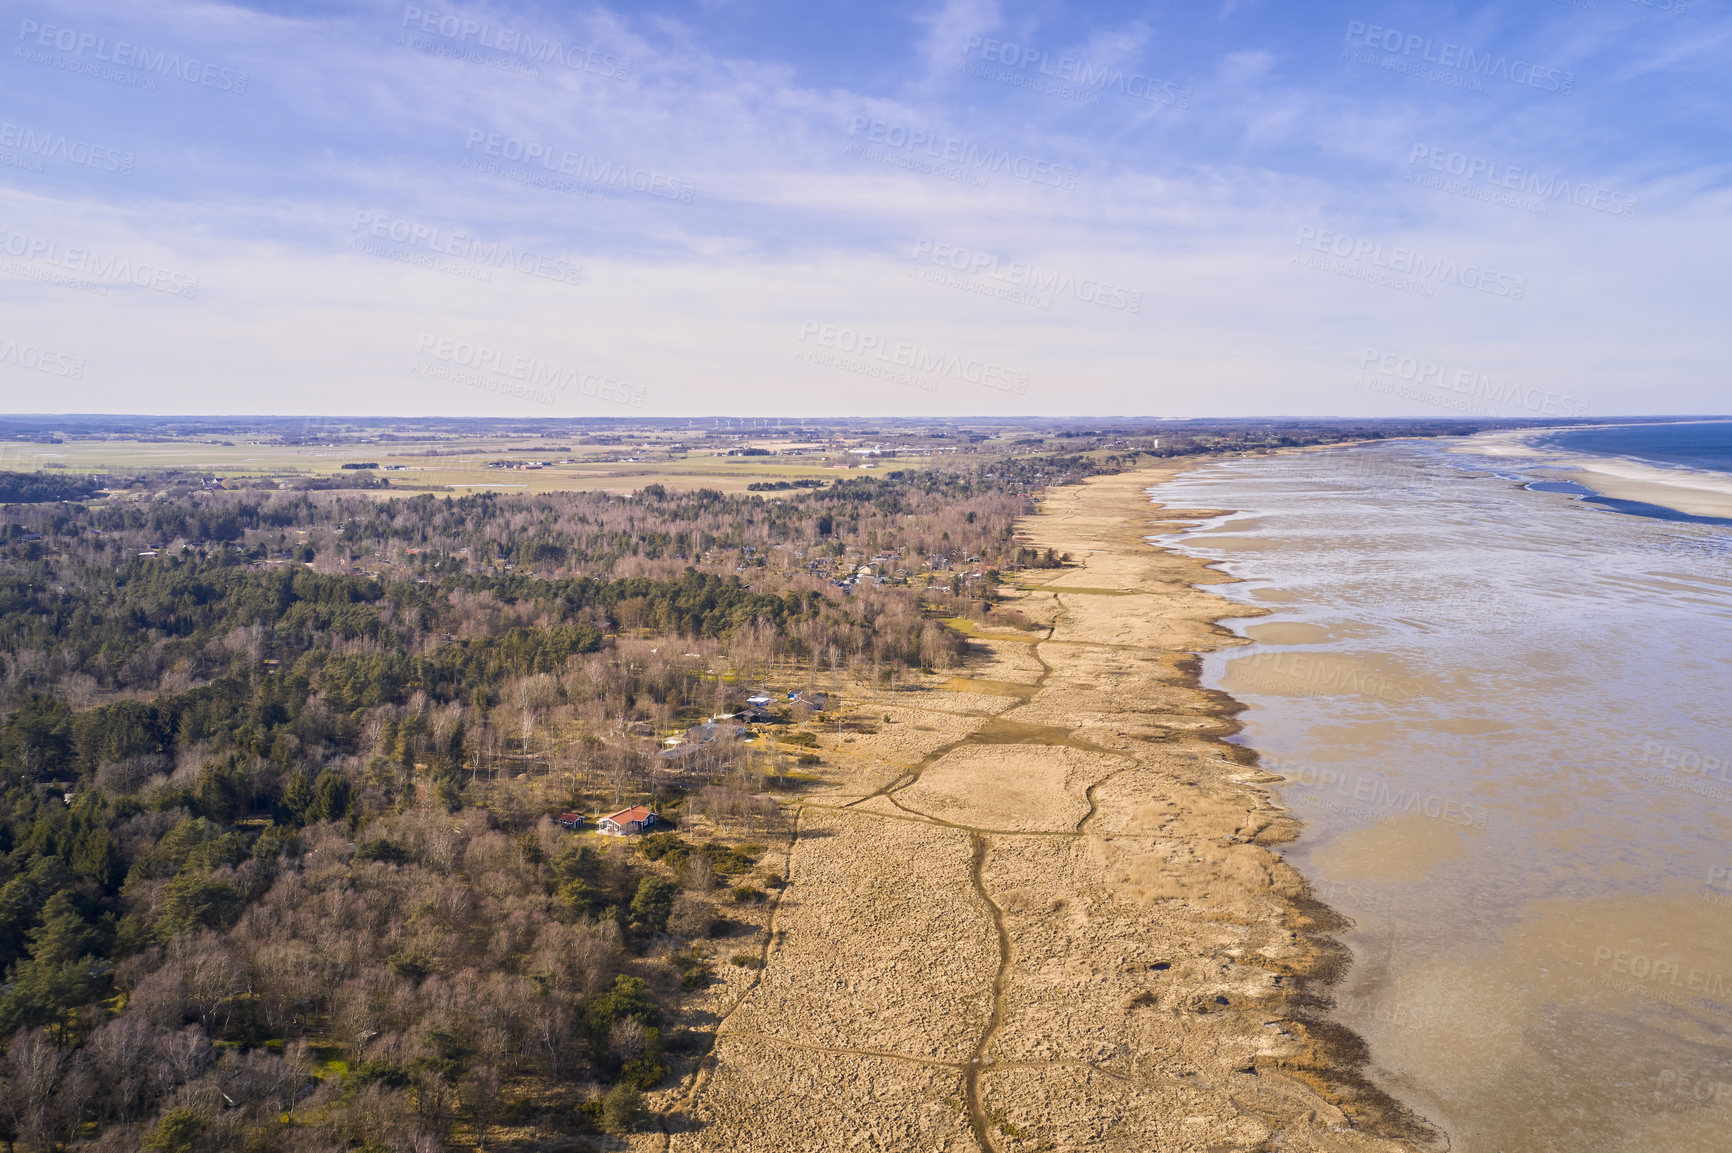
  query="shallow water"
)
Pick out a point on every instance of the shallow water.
point(1504, 715)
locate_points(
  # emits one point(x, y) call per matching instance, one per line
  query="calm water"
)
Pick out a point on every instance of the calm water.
point(1505, 715)
point(1706, 444)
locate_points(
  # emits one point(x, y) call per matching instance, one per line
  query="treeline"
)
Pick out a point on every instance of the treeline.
point(155, 624)
point(45, 487)
point(653, 532)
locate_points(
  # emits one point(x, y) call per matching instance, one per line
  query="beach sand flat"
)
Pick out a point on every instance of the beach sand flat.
point(1687, 490)
point(1684, 490)
point(1038, 908)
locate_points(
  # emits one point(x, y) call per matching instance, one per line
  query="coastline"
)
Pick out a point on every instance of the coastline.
point(1327, 1058)
point(1692, 491)
point(1038, 904)
point(1556, 747)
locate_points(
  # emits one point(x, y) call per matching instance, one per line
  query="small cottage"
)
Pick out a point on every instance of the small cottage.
point(571, 821)
point(627, 822)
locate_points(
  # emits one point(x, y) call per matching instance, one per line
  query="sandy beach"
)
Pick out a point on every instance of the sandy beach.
point(1035, 905)
point(1687, 490)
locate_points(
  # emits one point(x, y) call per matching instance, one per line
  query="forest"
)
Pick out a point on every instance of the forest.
point(277, 862)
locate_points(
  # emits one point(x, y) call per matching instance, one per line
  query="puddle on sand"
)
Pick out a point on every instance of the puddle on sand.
point(1003, 731)
point(988, 688)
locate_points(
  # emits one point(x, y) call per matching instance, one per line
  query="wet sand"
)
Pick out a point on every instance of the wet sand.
point(1501, 714)
point(1039, 907)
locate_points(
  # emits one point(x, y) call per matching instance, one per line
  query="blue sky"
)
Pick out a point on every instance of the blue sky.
point(782, 208)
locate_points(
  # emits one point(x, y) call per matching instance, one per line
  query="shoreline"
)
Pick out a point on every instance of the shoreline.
point(1037, 902)
point(1335, 1061)
point(1694, 492)
point(1691, 491)
point(1475, 951)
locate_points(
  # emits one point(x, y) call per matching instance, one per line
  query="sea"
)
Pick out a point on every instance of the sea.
point(1502, 707)
point(1687, 444)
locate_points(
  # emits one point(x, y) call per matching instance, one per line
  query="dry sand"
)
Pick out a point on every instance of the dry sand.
point(1685, 490)
point(1038, 908)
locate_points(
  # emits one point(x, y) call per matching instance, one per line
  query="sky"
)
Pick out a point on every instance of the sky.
point(805, 208)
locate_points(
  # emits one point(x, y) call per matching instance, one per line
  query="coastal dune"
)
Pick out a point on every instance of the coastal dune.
point(1038, 907)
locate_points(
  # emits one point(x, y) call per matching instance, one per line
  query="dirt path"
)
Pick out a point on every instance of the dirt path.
point(977, 1116)
point(1038, 909)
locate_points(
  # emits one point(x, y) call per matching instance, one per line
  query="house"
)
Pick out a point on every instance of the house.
point(699, 736)
point(714, 730)
point(573, 821)
point(810, 698)
point(626, 822)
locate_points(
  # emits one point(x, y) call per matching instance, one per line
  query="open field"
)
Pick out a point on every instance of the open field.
point(433, 465)
point(1037, 908)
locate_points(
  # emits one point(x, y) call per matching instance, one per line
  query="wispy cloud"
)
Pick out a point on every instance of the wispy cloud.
point(723, 183)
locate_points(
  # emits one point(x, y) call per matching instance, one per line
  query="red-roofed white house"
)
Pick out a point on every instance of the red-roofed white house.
point(626, 822)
